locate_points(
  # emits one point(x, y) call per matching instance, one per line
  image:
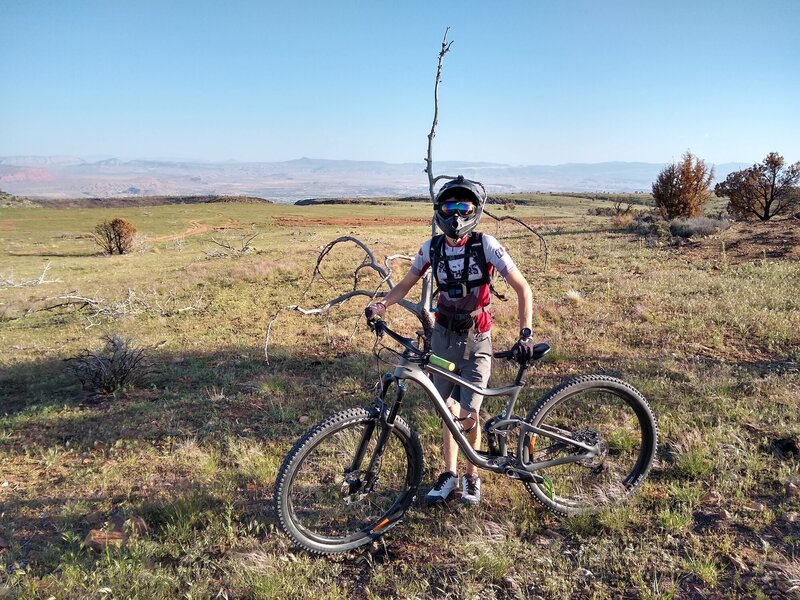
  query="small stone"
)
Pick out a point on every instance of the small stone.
point(4, 484)
point(792, 517)
point(793, 486)
point(131, 526)
point(755, 507)
point(86, 458)
point(714, 498)
point(511, 585)
point(99, 539)
point(303, 419)
point(548, 537)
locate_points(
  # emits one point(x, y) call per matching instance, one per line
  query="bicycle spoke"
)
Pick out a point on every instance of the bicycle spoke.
point(612, 422)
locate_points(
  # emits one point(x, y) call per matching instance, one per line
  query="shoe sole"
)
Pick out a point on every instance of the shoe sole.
point(438, 500)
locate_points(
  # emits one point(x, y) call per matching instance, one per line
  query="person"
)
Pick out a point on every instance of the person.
point(463, 262)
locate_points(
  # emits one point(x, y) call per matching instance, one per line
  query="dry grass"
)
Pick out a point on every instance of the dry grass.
point(195, 450)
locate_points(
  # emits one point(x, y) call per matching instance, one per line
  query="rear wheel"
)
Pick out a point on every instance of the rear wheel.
point(324, 497)
point(605, 413)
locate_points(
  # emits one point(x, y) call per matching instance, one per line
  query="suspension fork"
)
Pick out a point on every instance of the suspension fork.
point(387, 420)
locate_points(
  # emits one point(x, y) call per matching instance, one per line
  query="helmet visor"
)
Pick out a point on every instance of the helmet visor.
point(456, 207)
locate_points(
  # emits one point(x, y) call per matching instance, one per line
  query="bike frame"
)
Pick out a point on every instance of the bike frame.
point(408, 370)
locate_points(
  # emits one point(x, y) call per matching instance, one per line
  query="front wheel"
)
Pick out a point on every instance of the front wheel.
point(607, 414)
point(327, 499)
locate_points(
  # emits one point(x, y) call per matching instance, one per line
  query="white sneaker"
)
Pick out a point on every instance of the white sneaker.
point(471, 490)
point(441, 490)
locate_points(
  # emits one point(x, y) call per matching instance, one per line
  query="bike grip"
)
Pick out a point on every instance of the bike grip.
point(442, 363)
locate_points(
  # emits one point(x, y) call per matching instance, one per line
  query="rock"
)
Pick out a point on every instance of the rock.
point(793, 486)
point(548, 537)
point(303, 419)
point(511, 585)
point(792, 517)
point(130, 526)
point(714, 498)
point(100, 540)
point(755, 506)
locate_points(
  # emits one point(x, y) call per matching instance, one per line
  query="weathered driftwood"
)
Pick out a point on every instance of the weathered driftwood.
point(418, 309)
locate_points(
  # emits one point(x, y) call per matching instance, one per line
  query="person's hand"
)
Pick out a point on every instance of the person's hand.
point(523, 350)
point(375, 311)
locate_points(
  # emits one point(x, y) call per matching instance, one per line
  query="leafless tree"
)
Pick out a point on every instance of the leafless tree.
point(420, 309)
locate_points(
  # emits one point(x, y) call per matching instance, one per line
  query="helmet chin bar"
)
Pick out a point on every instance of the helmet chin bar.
point(458, 226)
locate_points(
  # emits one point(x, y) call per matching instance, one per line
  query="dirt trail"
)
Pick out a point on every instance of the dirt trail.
point(197, 228)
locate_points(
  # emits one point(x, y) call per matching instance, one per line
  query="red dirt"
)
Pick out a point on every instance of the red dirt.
point(197, 228)
point(750, 242)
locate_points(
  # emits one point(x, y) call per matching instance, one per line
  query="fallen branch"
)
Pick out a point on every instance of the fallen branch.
point(135, 303)
point(9, 282)
point(229, 250)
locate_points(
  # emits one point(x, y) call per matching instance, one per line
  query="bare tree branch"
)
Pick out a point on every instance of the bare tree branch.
point(10, 282)
point(429, 160)
point(369, 262)
point(542, 242)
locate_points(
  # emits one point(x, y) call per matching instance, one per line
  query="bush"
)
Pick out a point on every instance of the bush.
point(681, 189)
point(115, 236)
point(697, 227)
point(649, 225)
point(111, 368)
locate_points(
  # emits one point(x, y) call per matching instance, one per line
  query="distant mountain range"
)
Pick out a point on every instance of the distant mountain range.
point(70, 177)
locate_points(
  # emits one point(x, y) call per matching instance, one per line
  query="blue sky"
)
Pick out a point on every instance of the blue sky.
point(526, 82)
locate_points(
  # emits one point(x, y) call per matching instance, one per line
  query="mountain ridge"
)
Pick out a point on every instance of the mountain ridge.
point(54, 177)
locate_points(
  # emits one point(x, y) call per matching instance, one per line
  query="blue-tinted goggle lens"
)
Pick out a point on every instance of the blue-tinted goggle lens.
point(456, 207)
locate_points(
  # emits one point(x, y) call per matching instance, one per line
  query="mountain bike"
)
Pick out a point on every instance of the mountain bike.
point(586, 444)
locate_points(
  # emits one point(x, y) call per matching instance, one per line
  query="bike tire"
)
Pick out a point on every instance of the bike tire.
point(595, 408)
point(309, 497)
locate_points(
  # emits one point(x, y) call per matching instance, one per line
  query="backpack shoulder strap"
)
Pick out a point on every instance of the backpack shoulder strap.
point(437, 242)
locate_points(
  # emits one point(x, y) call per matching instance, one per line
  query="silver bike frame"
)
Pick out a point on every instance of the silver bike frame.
point(408, 370)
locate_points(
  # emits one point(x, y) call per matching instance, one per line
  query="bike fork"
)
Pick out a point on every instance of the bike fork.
point(387, 424)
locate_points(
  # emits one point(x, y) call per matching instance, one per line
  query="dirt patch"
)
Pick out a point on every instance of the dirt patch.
point(197, 228)
point(6, 224)
point(750, 242)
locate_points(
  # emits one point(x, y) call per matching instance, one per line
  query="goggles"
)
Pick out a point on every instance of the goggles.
point(460, 207)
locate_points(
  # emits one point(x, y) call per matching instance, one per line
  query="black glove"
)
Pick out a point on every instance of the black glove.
point(375, 311)
point(523, 350)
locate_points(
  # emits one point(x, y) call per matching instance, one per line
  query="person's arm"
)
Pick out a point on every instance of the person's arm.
point(524, 297)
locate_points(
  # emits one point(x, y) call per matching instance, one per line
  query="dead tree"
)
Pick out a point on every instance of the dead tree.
point(422, 308)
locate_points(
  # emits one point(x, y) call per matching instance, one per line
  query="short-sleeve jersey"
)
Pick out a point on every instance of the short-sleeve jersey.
point(480, 296)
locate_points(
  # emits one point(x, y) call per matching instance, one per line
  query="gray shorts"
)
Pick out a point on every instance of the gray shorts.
point(472, 354)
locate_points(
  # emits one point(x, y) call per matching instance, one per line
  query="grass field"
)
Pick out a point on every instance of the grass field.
point(709, 331)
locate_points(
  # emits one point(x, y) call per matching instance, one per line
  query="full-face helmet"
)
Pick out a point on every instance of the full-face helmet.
point(458, 206)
